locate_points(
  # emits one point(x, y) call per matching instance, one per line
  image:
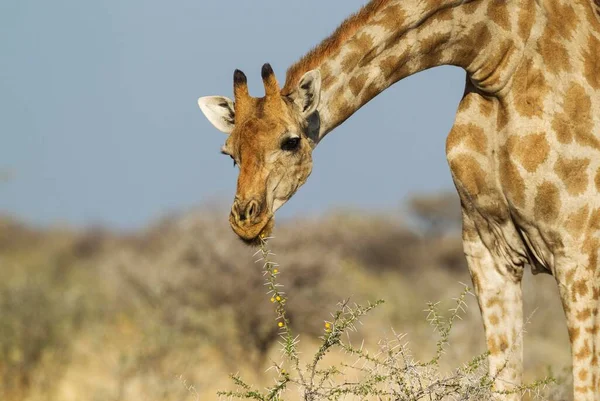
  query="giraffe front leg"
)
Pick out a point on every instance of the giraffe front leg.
point(579, 289)
point(498, 288)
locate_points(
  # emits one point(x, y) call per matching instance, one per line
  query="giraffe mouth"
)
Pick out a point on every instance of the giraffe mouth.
point(254, 234)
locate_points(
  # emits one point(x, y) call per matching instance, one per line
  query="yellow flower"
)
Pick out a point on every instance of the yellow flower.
point(272, 299)
point(275, 271)
point(283, 371)
point(280, 324)
point(327, 325)
point(278, 298)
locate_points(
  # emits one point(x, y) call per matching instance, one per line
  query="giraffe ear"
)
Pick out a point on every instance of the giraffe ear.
point(219, 110)
point(308, 92)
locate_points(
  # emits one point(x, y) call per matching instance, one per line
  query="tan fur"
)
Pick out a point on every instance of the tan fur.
point(524, 151)
point(315, 57)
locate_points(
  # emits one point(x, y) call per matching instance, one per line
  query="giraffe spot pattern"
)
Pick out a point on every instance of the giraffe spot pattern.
point(474, 41)
point(486, 106)
point(575, 122)
point(576, 222)
point(393, 16)
point(490, 73)
point(469, 174)
point(579, 289)
point(470, 134)
point(597, 180)
point(590, 247)
point(511, 179)
point(356, 83)
point(526, 18)
point(497, 11)
point(394, 67)
point(573, 173)
point(553, 51)
point(529, 87)
point(591, 60)
point(574, 334)
point(566, 26)
point(531, 150)
point(547, 202)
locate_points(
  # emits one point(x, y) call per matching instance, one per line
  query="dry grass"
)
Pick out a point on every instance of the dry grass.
point(170, 312)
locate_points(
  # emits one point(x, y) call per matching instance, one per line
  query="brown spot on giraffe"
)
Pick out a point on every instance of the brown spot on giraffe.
point(573, 173)
point(328, 79)
point(576, 121)
point(392, 17)
point(590, 62)
point(494, 320)
point(466, 102)
point(469, 8)
point(503, 342)
point(497, 11)
point(526, 19)
point(340, 103)
point(478, 37)
point(576, 222)
point(553, 51)
point(597, 180)
point(590, 247)
point(492, 71)
point(530, 86)
point(356, 83)
point(566, 26)
point(584, 352)
point(530, 150)
point(470, 134)
point(594, 223)
point(351, 59)
point(584, 314)
point(512, 181)
point(332, 44)
point(574, 333)
point(486, 106)
point(370, 92)
point(583, 374)
point(469, 174)
point(547, 202)
point(569, 276)
point(501, 119)
point(430, 45)
point(392, 66)
point(579, 289)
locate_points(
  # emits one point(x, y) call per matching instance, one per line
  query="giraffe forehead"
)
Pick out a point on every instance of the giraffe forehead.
point(256, 134)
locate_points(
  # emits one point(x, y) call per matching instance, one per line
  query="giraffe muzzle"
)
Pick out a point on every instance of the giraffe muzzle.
point(249, 220)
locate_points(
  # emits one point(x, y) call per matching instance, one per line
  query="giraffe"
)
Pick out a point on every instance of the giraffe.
point(524, 150)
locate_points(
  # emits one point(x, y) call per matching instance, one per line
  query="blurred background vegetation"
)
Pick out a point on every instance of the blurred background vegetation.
point(101, 315)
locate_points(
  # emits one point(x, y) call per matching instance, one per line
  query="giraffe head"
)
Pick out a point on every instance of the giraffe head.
point(271, 140)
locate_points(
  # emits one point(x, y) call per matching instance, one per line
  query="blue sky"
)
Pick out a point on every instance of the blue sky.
point(99, 122)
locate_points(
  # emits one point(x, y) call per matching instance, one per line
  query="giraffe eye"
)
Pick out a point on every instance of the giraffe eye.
point(290, 144)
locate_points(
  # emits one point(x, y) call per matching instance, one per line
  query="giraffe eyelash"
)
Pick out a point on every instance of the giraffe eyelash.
point(232, 158)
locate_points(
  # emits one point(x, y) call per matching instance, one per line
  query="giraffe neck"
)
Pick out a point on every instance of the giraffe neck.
point(391, 39)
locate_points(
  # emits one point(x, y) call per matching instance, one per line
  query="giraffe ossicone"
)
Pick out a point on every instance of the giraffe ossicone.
point(524, 150)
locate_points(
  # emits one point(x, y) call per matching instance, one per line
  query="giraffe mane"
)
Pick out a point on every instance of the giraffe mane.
point(322, 51)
